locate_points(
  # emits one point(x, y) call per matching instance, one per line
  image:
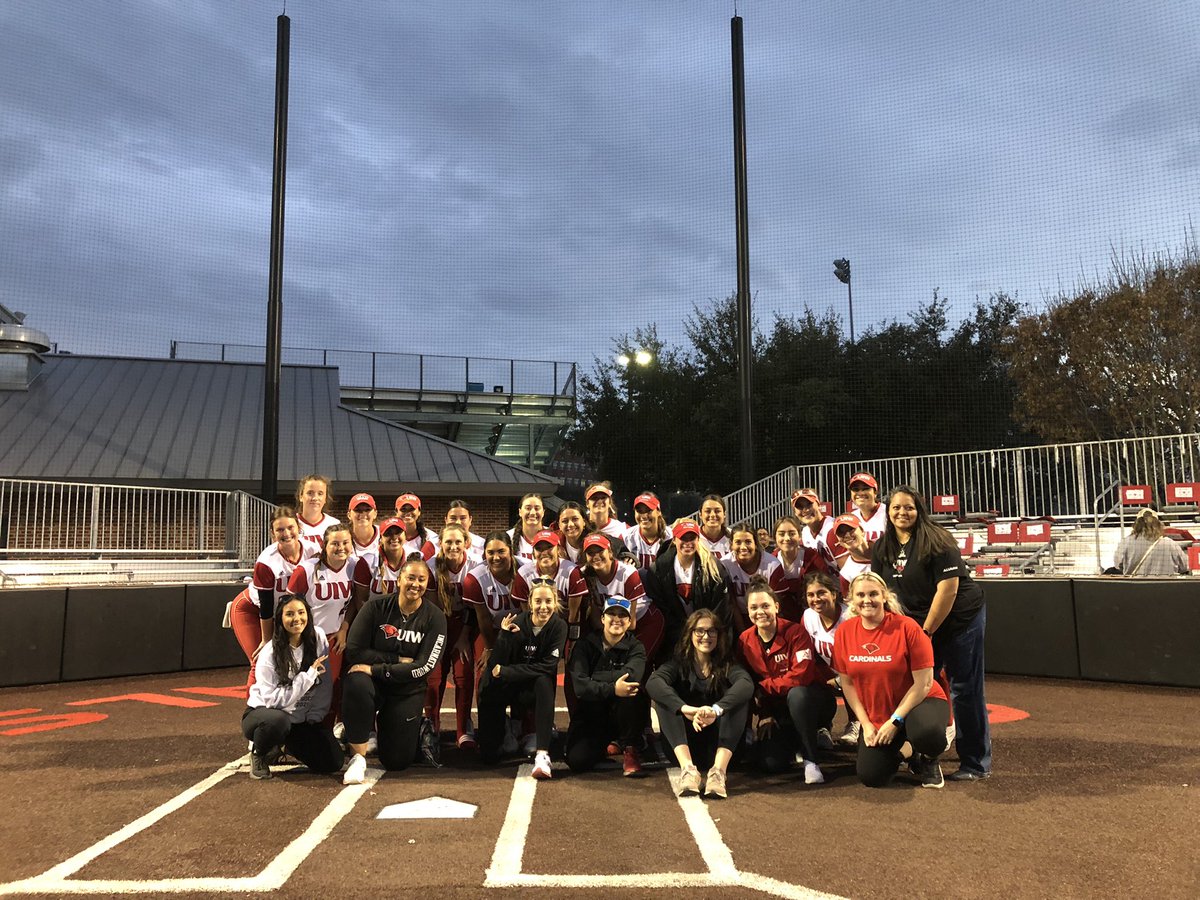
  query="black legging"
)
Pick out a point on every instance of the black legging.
point(594, 724)
point(397, 718)
point(728, 732)
point(310, 742)
point(495, 695)
point(806, 708)
point(924, 728)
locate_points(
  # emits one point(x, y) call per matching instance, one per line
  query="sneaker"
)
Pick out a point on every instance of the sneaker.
point(339, 731)
point(968, 775)
point(813, 774)
point(356, 772)
point(541, 765)
point(510, 746)
point(632, 763)
point(928, 771)
point(466, 742)
point(849, 734)
point(714, 784)
point(273, 756)
point(250, 746)
point(372, 743)
point(689, 781)
point(529, 744)
point(258, 767)
point(824, 739)
point(950, 734)
point(614, 749)
point(430, 750)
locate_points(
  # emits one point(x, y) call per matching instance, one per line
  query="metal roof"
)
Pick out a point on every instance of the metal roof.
point(199, 424)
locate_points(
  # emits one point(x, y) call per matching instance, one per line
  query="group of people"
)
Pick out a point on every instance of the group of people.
point(353, 630)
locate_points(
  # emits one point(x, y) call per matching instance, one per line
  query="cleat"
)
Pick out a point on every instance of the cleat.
point(632, 763)
point(356, 772)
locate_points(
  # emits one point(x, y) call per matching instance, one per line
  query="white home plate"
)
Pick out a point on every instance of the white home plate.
point(430, 808)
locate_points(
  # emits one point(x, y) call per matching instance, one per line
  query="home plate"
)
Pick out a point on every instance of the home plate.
point(429, 808)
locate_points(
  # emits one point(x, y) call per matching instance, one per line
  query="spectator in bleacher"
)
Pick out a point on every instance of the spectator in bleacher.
point(313, 498)
point(602, 512)
point(814, 533)
point(746, 560)
point(651, 535)
point(796, 560)
point(417, 538)
point(459, 513)
point(850, 548)
point(686, 576)
point(291, 695)
point(922, 565)
point(447, 570)
point(885, 664)
point(528, 524)
point(765, 541)
point(362, 515)
point(713, 531)
point(864, 494)
point(1146, 551)
point(825, 613)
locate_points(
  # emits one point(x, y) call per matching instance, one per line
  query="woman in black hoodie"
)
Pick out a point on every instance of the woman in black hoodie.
point(522, 670)
point(685, 577)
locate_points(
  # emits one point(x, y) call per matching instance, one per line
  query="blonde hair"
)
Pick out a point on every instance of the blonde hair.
point(441, 566)
point(558, 608)
point(890, 603)
point(708, 562)
point(1147, 525)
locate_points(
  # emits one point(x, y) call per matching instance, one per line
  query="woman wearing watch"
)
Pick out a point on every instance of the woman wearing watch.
point(886, 666)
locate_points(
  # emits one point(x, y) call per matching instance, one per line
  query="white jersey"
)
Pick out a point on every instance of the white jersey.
point(379, 578)
point(272, 571)
point(819, 543)
point(720, 548)
point(368, 551)
point(626, 583)
point(822, 637)
point(314, 532)
point(875, 526)
point(327, 592)
point(851, 569)
point(521, 547)
point(614, 528)
point(481, 588)
point(645, 551)
point(456, 582)
point(739, 578)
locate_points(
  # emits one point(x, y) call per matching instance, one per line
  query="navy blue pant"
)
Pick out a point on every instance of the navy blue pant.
point(962, 655)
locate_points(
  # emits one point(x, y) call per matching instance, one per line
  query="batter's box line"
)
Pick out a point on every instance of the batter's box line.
point(508, 857)
point(57, 880)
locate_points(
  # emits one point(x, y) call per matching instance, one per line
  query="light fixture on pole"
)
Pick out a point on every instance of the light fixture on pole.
point(841, 271)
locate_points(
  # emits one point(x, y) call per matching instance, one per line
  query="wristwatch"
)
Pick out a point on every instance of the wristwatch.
point(898, 721)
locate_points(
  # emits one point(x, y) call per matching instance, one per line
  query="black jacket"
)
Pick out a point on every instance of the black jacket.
point(381, 634)
point(675, 684)
point(659, 582)
point(523, 655)
point(595, 667)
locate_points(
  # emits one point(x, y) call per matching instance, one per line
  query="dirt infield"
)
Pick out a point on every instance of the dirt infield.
point(1094, 794)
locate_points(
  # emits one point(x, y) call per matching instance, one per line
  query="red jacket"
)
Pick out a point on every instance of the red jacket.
point(791, 661)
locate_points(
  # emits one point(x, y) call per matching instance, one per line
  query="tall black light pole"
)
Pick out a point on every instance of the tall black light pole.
point(841, 271)
point(743, 247)
point(270, 457)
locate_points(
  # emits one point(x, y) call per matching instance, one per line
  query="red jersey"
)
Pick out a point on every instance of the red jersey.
point(881, 661)
point(789, 661)
point(481, 588)
point(568, 580)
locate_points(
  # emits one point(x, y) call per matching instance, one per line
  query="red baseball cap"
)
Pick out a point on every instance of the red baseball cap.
point(597, 489)
point(810, 496)
point(596, 539)
point(391, 523)
point(546, 536)
point(687, 526)
point(847, 520)
point(646, 500)
point(408, 500)
point(358, 499)
point(866, 478)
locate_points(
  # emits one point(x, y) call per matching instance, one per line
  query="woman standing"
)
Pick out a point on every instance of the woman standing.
point(1146, 551)
point(702, 698)
point(864, 494)
point(886, 667)
point(795, 561)
point(684, 578)
point(290, 697)
point(447, 571)
point(815, 530)
point(651, 535)
point(825, 613)
point(459, 513)
point(609, 577)
point(602, 512)
point(790, 695)
point(312, 499)
point(487, 590)
point(746, 560)
point(713, 532)
point(529, 523)
point(378, 577)
point(921, 564)
point(417, 538)
point(395, 643)
point(362, 515)
point(522, 671)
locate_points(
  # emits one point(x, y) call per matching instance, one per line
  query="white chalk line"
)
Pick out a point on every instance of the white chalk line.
point(55, 880)
point(507, 859)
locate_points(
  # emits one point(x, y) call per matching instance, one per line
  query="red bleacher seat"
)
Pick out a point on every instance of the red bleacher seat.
point(1033, 532)
point(1136, 495)
point(1194, 558)
point(966, 544)
point(993, 571)
point(945, 504)
point(1002, 533)
point(1182, 496)
point(827, 508)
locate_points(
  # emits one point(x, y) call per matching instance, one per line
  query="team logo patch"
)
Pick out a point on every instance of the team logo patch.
point(390, 631)
point(802, 655)
point(871, 647)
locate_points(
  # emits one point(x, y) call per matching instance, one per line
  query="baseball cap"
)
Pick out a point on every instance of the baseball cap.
point(616, 604)
point(408, 500)
point(595, 539)
point(847, 520)
point(687, 526)
point(866, 478)
point(546, 536)
point(646, 500)
point(597, 489)
point(391, 523)
point(810, 496)
point(359, 499)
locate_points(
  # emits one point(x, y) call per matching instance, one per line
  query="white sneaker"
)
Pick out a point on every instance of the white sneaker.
point(824, 739)
point(950, 734)
point(356, 772)
point(529, 744)
point(813, 774)
point(372, 742)
point(849, 735)
point(339, 731)
point(541, 765)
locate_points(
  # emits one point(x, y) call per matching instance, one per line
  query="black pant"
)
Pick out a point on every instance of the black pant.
point(396, 716)
point(495, 695)
point(924, 728)
point(727, 733)
point(594, 724)
point(797, 719)
point(310, 742)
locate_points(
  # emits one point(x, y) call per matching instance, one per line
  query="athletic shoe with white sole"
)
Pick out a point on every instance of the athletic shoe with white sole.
point(824, 739)
point(714, 784)
point(356, 772)
point(813, 774)
point(339, 731)
point(849, 734)
point(541, 765)
point(372, 743)
point(689, 781)
point(258, 767)
point(927, 770)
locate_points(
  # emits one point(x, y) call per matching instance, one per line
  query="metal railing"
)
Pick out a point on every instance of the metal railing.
point(39, 518)
point(1059, 480)
point(375, 371)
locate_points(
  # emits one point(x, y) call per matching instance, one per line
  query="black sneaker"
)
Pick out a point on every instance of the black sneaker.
point(927, 771)
point(258, 767)
point(429, 747)
point(968, 775)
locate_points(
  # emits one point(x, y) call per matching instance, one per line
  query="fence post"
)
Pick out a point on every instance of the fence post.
point(95, 524)
point(232, 522)
point(202, 500)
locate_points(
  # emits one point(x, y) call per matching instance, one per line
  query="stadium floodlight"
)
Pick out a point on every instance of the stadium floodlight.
point(623, 361)
point(841, 271)
point(644, 357)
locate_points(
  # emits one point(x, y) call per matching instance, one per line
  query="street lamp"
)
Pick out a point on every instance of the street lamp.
point(841, 271)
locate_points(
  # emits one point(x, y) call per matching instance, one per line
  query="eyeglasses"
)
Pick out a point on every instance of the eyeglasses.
point(701, 632)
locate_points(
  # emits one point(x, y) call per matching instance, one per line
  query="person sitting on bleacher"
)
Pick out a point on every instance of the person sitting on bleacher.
point(1146, 551)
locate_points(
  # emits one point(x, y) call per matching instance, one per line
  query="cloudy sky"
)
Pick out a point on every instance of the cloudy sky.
point(530, 179)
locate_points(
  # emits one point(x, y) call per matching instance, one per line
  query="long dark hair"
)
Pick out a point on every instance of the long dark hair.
point(281, 648)
point(927, 538)
point(588, 527)
point(722, 655)
point(505, 538)
point(520, 524)
point(717, 498)
point(332, 529)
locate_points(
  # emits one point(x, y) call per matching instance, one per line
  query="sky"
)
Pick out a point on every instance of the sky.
point(533, 179)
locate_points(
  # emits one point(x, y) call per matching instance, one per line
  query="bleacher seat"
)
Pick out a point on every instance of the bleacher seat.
point(1002, 536)
point(966, 544)
point(1136, 495)
point(1194, 558)
point(992, 571)
point(1182, 498)
point(945, 508)
point(1037, 532)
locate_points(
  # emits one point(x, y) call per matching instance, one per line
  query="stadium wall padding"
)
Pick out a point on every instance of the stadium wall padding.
point(1031, 627)
point(1139, 630)
point(206, 645)
point(34, 641)
point(123, 631)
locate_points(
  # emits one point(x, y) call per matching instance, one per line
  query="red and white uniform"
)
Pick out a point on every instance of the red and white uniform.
point(875, 526)
point(571, 553)
point(881, 661)
point(720, 548)
point(645, 551)
point(789, 661)
point(272, 571)
point(821, 636)
point(683, 583)
point(739, 578)
point(819, 550)
point(456, 582)
point(614, 528)
point(377, 576)
point(625, 582)
point(314, 532)
point(522, 549)
point(327, 592)
point(791, 601)
point(481, 588)
point(476, 546)
point(568, 580)
point(851, 569)
point(426, 546)
point(368, 551)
